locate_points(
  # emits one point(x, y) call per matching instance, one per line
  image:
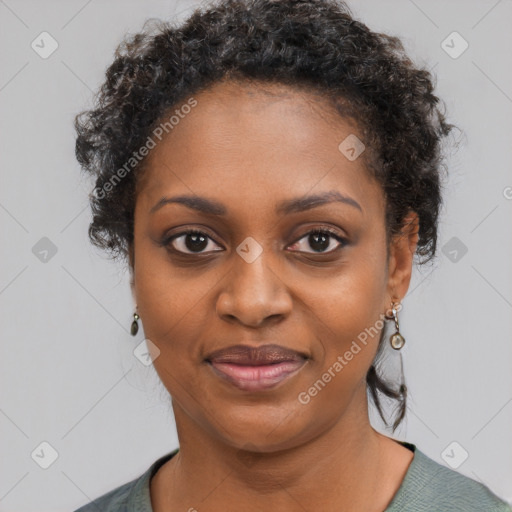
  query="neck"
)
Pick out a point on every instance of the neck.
point(339, 469)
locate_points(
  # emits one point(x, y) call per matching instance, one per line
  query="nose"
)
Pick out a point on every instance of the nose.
point(254, 293)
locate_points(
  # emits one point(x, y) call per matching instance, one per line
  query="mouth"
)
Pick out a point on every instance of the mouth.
point(256, 368)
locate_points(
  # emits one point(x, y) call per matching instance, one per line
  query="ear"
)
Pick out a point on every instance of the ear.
point(402, 250)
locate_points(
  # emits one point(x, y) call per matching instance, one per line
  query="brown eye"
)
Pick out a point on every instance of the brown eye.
point(190, 242)
point(322, 241)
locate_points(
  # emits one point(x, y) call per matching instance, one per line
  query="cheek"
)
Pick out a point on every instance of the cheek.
point(346, 303)
point(175, 308)
point(347, 325)
point(346, 318)
point(170, 310)
point(355, 310)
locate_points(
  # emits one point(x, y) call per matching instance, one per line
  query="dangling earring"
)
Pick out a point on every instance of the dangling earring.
point(396, 340)
point(135, 325)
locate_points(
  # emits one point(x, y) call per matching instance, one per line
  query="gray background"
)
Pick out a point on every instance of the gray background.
point(68, 375)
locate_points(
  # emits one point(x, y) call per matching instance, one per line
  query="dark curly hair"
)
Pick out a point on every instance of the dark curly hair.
point(313, 45)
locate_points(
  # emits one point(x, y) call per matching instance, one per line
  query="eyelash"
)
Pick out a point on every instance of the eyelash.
point(325, 230)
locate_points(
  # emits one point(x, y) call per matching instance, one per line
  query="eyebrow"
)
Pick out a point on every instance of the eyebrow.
point(211, 207)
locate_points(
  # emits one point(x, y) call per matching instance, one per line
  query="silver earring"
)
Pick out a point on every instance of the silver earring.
point(396, 340)
point(135, 325)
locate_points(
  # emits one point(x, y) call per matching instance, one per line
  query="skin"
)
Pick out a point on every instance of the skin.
point(250, 147)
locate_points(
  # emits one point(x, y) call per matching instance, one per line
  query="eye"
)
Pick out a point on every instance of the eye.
point(192, 240)
point(195, 241)
point(320, 240)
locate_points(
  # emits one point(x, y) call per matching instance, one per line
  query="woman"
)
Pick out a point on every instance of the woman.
point(269, 170)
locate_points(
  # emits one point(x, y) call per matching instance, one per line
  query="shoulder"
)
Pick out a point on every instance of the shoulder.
point(133, 496)
point(429, 486)
point(115, 500)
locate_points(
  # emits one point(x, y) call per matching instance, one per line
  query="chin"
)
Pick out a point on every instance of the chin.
point(264, 428)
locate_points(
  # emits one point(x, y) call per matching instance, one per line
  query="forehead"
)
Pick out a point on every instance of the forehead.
point(252, 143)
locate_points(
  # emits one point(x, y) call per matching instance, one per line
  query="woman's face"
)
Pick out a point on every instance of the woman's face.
point(256, 275)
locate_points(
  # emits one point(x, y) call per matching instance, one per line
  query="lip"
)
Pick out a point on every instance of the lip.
point(256, 368)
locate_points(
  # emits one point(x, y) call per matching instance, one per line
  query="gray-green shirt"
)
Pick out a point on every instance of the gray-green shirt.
point(427, 487)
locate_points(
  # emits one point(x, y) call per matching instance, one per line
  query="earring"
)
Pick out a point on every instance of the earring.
point(396, 340)
point(135, 325)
